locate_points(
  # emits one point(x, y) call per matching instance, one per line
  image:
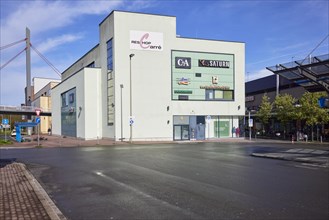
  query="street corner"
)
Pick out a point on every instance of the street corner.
point(22, 195)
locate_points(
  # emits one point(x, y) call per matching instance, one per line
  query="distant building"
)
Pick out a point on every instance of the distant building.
point(271, 85)
point(182, 88)
point(42, 98)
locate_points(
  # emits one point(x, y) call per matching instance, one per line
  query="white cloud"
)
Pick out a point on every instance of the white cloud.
point(42, 16)
point(57, 41)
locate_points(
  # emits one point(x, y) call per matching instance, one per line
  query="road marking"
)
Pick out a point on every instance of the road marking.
point(306, 166)
point(190, 214)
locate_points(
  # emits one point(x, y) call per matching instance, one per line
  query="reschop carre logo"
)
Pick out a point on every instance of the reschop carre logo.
point(183, 62)
point(144, 40)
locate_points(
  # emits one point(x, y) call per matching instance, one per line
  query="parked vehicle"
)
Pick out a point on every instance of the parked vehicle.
point(13, 133)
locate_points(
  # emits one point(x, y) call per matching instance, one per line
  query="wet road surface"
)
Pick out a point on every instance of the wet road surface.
point(177, 181)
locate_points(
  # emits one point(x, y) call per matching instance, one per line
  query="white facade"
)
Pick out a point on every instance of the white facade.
point(170, 101)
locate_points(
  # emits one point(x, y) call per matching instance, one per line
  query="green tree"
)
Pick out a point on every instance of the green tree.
point(264, 112)
point(311, 111)
point(285, 109)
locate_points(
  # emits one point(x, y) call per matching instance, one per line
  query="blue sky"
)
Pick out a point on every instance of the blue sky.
point(277, 31)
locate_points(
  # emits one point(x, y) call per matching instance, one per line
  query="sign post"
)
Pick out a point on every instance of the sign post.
point(250, 122)
point(37, 120)
point(5, 122)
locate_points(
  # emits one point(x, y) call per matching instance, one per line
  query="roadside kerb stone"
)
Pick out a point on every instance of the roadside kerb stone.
point(22, 196)
point(318, 157)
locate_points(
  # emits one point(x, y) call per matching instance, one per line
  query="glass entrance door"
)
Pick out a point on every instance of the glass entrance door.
point(181, 132)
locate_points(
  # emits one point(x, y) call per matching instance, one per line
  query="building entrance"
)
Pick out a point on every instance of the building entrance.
point(181, 132)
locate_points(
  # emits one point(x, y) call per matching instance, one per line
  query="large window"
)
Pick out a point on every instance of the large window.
point(109, 55)
point(68, 113)
point(202, 76)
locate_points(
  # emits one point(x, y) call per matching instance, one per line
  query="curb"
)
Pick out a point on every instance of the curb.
point(50, 207)
point(280, 156)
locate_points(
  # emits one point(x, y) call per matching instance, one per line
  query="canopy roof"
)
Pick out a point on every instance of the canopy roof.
point(311, 73)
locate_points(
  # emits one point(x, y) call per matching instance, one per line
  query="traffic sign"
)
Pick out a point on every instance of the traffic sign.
point(37, 120)
point(131, 120)
point(5, 121)
point(37, 111)
point(251, 122)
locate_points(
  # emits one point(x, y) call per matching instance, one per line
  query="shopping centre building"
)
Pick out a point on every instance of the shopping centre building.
point(144, 82)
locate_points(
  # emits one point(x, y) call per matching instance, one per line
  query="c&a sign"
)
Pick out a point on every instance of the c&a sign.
point(183, 62)
point(145, 40)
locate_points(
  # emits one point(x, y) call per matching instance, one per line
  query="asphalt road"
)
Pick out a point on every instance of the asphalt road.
point(177, 181)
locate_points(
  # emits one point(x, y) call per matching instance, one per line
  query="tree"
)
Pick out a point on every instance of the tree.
point(264, 112)
point(285, 109)
point(311, 111)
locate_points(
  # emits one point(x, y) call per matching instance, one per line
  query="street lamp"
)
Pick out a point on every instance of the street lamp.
point(131, 111)
point(121, 87)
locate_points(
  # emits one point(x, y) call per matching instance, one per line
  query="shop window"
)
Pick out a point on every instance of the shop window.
point(212, 94)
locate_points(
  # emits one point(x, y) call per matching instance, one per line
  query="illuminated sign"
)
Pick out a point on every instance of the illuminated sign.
point(145, 40)
point(183, 62)
point(183, 81)
point(214, 63)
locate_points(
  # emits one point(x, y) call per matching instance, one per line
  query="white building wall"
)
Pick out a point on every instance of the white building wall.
point(91, 109)
point(39, 83)
point(150, 76)
point(87, 97)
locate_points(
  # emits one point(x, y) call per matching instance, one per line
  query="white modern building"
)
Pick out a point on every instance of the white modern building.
point(143, 82)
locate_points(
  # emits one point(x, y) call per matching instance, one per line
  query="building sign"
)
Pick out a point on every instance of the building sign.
point(183, 81)
point(214, 63)
point(183, 62)
point(249, 98)
point(145, 40)
point(183, 92)
point(214, 80)
point(215, 87)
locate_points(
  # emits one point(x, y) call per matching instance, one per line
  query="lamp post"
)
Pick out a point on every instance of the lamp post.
point(121, 87)
point(131, 111)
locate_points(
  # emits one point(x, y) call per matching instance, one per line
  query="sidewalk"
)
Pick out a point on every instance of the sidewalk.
point(22, 197)
point(59, 141)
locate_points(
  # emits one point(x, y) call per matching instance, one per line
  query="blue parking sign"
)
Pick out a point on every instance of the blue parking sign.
point(5, 121)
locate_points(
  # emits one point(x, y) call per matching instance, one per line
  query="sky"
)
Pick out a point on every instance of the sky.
point(274, 31)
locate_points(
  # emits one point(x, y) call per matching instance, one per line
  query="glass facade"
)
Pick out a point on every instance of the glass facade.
point(109, 55)
point(200, 127)
point(110, 84)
